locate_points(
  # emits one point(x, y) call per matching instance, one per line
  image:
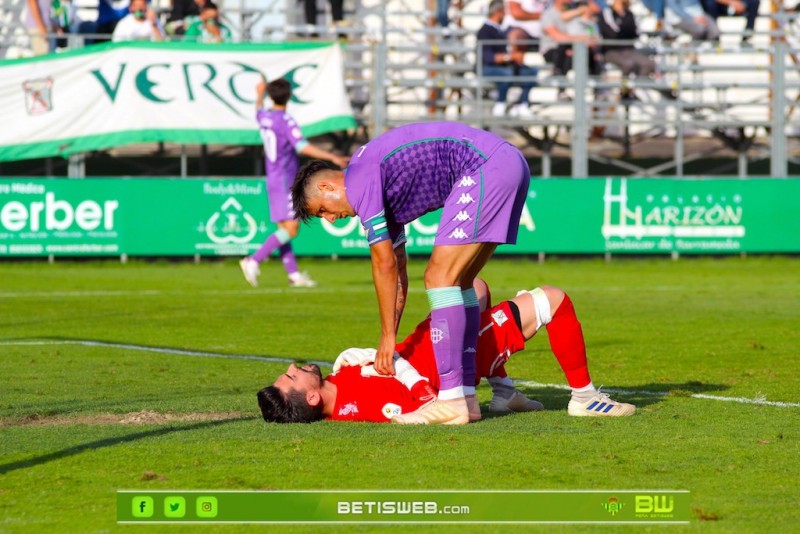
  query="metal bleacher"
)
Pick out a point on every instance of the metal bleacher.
point(401, 66)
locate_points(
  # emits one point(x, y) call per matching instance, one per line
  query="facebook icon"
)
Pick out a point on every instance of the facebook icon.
point(142, 507)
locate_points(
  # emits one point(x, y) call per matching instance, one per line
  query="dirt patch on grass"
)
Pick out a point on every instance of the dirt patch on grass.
point(145, 417)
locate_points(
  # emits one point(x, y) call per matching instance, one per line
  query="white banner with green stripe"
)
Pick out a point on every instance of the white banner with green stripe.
point(116, 94)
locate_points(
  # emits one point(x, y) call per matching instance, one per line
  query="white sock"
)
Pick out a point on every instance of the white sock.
point(585, 393)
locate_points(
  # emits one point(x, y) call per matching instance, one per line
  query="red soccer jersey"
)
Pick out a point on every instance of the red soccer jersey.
point(379, 398)
point(369, 398)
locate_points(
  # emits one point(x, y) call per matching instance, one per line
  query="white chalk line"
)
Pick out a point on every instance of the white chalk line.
point(272, 359)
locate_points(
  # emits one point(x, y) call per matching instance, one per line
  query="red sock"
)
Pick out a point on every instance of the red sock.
point(566, 340)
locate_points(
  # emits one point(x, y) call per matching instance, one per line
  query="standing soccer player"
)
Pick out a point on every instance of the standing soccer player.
point(480, 180)
point(283, 140)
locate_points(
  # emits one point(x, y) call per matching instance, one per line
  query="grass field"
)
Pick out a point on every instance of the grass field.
point(79, 420)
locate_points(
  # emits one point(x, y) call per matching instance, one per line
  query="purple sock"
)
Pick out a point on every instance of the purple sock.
point(447, 335)
point(287, 257)
point(266, 249)
point(473, 324)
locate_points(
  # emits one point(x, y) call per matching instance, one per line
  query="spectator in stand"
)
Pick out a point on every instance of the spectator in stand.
point(688, 16)
point(337, 11)
point(748, 8)
point(40, 26)
point(523, 24)
point(563, 24)
point(140, 24)
point(618, 23)
point(181, 10)
point(109, 13)
point(497, 61)
point(206, 27)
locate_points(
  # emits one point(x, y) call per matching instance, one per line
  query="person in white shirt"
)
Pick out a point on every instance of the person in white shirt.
point(140, 24)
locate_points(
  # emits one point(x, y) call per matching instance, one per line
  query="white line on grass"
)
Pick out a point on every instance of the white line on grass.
point(272, 359)
point(158, 292)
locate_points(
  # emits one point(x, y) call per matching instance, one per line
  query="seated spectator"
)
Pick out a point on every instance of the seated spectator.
point(206, 27)
point(618, 23)
point(748, 8)
point(497, 61)
point(109, 13)
point(139, 25)
point(688, 16)
point(181, 10)
point(523, 24)
point(563, 24)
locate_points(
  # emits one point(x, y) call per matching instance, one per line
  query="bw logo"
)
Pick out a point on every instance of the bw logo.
point(659, 504)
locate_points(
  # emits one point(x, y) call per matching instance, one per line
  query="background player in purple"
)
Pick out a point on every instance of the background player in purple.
point(283, 140)
point(481, 181)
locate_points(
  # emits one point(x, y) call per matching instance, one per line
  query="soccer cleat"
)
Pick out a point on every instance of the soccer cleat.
point(438, 412)
point(600, 406)
point(250, 270)
point(517, 403)
point(301, 280)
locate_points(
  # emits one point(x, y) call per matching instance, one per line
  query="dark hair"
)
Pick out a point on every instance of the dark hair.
point(280, 91)
point(300, 185)
point(275, 408)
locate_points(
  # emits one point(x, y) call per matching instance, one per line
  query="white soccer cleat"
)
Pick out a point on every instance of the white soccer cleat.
point(438, 412)
point(251, 270)
point(301, 280)
point(601, 405)
point(517, 403)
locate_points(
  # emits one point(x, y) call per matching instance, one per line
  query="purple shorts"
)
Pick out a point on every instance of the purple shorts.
point(486, 206)
point(280, 203)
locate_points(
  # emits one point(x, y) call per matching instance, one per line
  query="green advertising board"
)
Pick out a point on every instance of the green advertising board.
point(179, 217)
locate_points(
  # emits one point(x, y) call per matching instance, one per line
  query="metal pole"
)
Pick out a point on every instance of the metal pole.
point(580, 130)
point(379, 89)
point(779, 155)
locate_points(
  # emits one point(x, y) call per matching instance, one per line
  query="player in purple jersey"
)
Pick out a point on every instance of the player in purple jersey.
point(283, 140)
point(480, 181)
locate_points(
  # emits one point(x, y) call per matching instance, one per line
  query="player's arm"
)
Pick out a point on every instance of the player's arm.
point(311, 151)
point(261, 92)
point(402, 283)
point(385, 277)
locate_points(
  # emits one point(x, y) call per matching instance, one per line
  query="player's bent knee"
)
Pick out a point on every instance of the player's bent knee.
point(555, 296)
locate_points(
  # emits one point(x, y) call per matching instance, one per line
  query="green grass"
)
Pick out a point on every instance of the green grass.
point(719, 327)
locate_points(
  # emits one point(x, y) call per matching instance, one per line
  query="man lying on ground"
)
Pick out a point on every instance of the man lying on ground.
point(356, 392)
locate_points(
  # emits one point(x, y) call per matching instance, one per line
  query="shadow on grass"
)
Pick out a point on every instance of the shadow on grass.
point(110, 442)
point(642, 395)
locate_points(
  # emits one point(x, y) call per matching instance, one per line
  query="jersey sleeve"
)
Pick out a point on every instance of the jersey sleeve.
point(365, 194)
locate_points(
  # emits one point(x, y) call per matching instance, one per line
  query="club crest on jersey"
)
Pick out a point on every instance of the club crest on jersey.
point(458, 233)
point(466, 181)
point(38, 95)
point(389, 410)
point(436, 335)
point(499, 317)
point(351, 408)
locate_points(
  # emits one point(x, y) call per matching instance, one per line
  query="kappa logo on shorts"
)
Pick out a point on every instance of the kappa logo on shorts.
point(350, 408)
point(499, 317)
point(465, 198)
point(462, 216)
point(458, 233)
point(466, 181)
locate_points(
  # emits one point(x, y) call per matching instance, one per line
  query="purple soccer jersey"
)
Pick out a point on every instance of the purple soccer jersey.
point(477, 177)
point(282, 140)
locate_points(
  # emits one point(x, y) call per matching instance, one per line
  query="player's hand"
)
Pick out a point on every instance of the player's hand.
point(354, 357)
point(384, 359)
point(341, 161)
